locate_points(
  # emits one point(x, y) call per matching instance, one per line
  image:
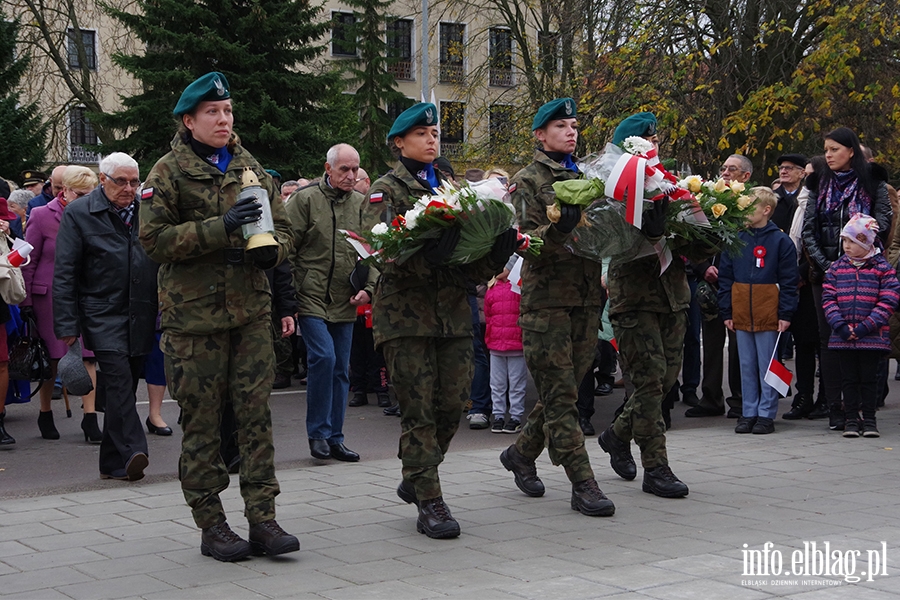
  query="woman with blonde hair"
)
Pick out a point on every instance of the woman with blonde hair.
point(43, 226)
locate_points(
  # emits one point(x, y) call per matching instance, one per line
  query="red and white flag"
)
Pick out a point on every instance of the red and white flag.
point(777, 375)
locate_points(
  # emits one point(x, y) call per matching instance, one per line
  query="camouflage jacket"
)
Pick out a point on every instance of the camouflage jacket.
point(556, 277)
point(637, 285)
point(415, 299)
point(322, 259)
point(184, 200)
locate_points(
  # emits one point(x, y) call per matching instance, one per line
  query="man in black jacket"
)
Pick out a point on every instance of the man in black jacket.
point(104, 289)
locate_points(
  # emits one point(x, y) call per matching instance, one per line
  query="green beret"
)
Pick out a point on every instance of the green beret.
point(275, 174)
point(209, 88)
point(419, 115)
point(561, 108)
point(639, 124)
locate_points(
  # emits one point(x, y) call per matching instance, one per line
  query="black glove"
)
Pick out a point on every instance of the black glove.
point(654, 223)
point(504, 245)
point(245, 211)
point(264, 257)
point(569, 216)
point(437, 251)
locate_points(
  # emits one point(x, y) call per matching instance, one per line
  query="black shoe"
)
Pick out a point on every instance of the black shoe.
point(5, 438)
point(135, 466)
point(341, 452)
point(604, 389)
point(358, 399)
point(301, 374)
point(690, 398)
point(92, 433)
point(118, 475)
point(620, 458)
point(733, 413)
point(820, 410)
point(384, 399)
point(800, 408)
point(45, 424)
point(836, 420)
point(319, 449)
point(281, 381)
point(745, 424)
point(851, 429)
point(435, 520)
point(157, 430)
point(586, 428)
point(524, 471)
point(406, 491)
point(220, 542)
point(269, 538)
point(702, 411)
point(870, 429)
point(763, 426)
point(662, 482)
point(588, 499)
point(392, 411)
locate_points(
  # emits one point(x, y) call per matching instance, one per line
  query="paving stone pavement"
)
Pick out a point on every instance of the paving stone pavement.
point(801, 486)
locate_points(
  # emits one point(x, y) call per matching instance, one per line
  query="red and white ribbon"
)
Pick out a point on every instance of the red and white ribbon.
point(626, 183)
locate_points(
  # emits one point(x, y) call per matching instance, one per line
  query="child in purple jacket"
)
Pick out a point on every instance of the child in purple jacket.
point(859, 294)
point(503, 338)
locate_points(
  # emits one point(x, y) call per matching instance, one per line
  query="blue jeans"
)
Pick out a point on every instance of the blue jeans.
point(755, 350)
point(328, 364)
point(481, 380)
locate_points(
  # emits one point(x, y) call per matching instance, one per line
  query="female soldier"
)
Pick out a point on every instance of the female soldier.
point(422, 321)
point(215, 306)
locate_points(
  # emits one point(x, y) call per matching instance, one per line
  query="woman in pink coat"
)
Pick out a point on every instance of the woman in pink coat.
point(40, 232)
point(504, 341)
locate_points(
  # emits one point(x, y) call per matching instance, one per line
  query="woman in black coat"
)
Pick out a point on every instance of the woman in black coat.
point(848, 186)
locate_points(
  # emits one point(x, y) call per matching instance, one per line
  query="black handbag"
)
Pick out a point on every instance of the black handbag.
point(29, 359)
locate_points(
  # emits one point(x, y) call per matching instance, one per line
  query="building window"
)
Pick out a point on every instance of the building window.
point(453, 121)
point(89, 41)
point(343, 37)
point(501, 125)
point(550, 49)
point(400, 45)
point(395, 108)
point(501, 57)
point(452, 52)
point(81, 134)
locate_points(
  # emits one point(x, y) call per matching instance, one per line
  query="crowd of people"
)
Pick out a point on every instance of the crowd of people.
point(241, 310)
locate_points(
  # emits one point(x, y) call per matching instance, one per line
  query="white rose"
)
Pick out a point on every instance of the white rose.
point(380, 228)
point(637, 145)
point(412, 217)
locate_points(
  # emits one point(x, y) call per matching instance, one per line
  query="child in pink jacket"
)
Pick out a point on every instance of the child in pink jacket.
point(504, 341)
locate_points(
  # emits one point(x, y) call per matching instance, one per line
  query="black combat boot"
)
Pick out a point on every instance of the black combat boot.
point(524, 470)
point(435, 520)
point(800, 408)
point(220, 542)
point(588, 499)
point(269, 538)
point(384, 399)
point(620, 458)
point(662, 482)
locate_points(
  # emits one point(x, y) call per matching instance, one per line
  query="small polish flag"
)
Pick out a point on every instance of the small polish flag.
point(777, 375)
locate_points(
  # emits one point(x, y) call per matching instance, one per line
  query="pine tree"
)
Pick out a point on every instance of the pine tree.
point(377, 87)
point(285, 116)
point(23, 138)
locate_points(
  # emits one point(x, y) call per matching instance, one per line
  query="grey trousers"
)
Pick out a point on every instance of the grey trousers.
point(508, 373)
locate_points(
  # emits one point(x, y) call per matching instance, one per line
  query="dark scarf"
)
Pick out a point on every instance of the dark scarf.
point(217, 157)
point(423, 172)
point(563, 159)
point(844, 188)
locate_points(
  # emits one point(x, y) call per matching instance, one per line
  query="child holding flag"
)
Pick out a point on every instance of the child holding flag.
point(859, 294)
point(757, 299)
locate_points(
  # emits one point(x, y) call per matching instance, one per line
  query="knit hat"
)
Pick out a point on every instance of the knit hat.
point(861, 230)
point(72, 372)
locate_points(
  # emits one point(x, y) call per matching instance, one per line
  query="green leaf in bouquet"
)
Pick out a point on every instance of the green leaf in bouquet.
point(480, 222)
point(578, 191)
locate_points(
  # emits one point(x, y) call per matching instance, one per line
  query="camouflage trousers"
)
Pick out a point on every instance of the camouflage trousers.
point(559, 349)
point(431, 378)
point(205, 372)
point(651, 346)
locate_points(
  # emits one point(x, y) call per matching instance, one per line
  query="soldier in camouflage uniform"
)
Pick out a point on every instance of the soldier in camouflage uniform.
point(215, 303)
point(422, 321)
point(560, 310)
point(648, 312)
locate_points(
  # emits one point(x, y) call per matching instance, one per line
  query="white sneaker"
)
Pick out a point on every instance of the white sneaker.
point(478, 421)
